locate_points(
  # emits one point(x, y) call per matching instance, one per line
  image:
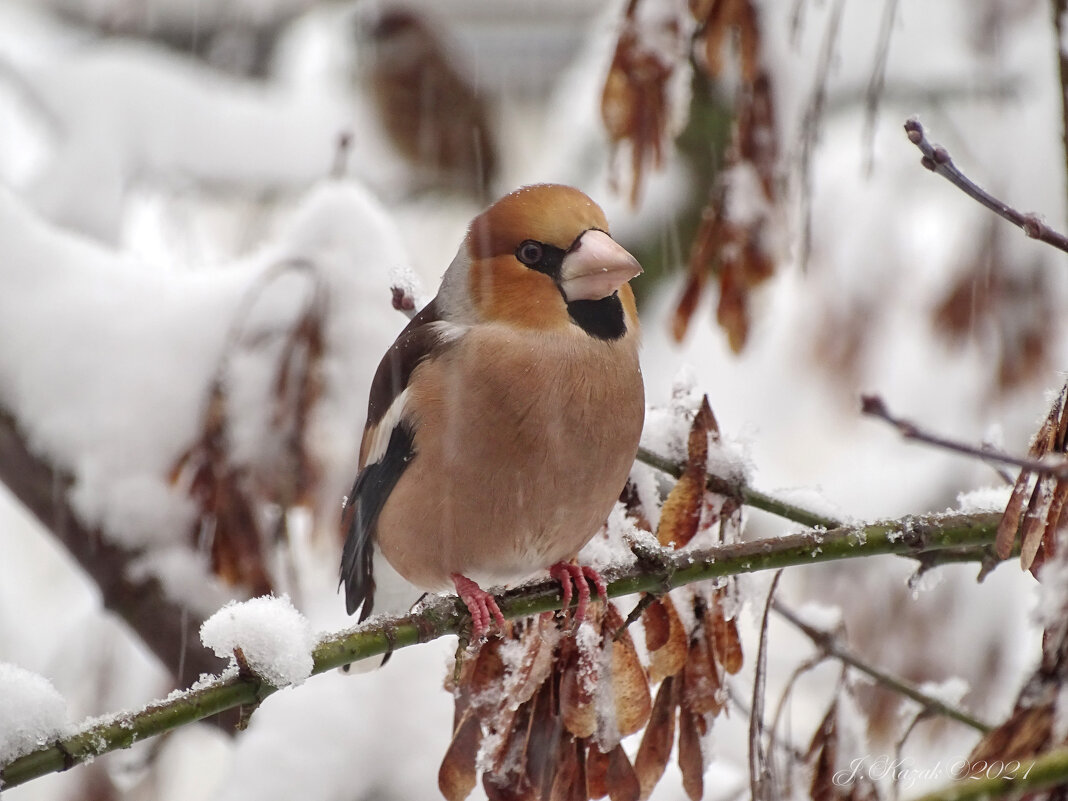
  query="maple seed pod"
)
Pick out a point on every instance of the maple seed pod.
point(577, 684)
point(691, 760)
point(658, 739)
point(665, 639)
point(726, 644)
point(458, 773)
point(630, 686)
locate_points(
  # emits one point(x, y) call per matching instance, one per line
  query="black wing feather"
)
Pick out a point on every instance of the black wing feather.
point(373, 486)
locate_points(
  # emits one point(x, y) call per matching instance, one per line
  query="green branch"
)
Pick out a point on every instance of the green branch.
point(664, 570)
point(747, 495)
point(1012, 779)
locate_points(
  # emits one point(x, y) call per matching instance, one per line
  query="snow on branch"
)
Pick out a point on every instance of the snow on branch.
point(916, 537)
point(162, 625)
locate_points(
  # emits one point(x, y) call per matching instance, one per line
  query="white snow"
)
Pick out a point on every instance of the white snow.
point(984, 499)
point(275, 639)
point(949, 691)
point(32, 710)
point(820, 616)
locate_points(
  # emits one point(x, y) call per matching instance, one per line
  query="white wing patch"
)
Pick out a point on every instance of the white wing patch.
point(384, 430)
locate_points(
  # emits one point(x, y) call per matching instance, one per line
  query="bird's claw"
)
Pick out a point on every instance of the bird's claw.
point(571, 575)
point(481, 604)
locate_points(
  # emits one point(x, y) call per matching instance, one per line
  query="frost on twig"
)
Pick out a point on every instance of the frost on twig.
point(937, 159)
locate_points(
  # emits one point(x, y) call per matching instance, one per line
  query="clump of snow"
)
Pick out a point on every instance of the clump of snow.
point(984, 499)
point(32, 712)
point(949, 691)
point(404, 277)
point(274, 637)
point(667, 430)
point(925, 581)
point(1052, 592)
point(821, 616)
point(610, 547)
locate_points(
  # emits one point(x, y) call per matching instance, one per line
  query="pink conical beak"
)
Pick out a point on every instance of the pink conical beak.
point(595, 267)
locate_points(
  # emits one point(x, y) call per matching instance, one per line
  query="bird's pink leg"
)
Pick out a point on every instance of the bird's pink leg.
point(481, 604)
point(569, 574)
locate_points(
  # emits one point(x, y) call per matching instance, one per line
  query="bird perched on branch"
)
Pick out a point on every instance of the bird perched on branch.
point(503, 422)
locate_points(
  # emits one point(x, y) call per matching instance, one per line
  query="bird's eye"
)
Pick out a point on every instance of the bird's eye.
point(529, 252)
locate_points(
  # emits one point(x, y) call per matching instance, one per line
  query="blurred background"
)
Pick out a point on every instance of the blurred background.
point(205, 208)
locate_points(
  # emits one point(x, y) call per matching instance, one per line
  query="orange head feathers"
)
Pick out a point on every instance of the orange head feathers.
point(542, 257)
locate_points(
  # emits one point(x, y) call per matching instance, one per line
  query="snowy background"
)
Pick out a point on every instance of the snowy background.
point(173, 200)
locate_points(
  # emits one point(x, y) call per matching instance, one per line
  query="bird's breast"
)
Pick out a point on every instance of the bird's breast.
point(523, 443)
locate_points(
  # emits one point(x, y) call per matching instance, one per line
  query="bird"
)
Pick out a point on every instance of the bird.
point(503, 422)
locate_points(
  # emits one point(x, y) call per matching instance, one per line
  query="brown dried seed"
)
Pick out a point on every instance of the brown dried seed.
point(658, 739)
point(621, 780)
point(630, 685)
point(596, 772)
point(726, 644)
point(670, 657)
point(457, 774)
point(691, 760)
point(700, 678)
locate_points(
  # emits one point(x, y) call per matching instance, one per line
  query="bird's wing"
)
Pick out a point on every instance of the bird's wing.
point(387, 448)
point(362, 507)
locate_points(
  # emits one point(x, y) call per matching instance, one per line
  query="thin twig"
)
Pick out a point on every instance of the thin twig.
point(759, 772)
point(811, 123)
point(899, 746)
point(811, 663)
point(747, 495)
point(875, 406)
point(1060, 9)
point(828, 643)
point(938, 160)
point(877, 82)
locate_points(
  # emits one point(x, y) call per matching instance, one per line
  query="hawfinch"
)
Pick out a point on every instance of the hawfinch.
point(503, 422)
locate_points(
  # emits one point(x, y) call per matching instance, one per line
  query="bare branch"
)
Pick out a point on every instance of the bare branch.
point(877, 82)
point(759, 773)
point(938, 160)
point(875, 406)
point(1060, 9)
point(167, 629)
point(829, 644)
point(810, 126)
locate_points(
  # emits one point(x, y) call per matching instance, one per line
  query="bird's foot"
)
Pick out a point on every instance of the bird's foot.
point(569, 574)
point(481, 604)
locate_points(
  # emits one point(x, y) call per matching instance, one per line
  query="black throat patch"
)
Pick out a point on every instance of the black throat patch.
point(602, 318)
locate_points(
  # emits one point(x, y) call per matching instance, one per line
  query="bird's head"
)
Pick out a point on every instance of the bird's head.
point(542, 257)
